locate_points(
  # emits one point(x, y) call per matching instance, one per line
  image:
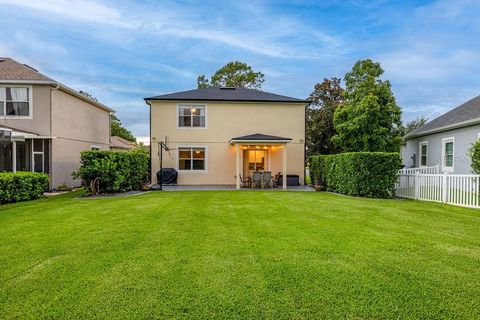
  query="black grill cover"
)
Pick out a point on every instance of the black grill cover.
point(167, 176)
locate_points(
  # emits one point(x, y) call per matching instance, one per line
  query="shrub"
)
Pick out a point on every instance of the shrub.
point(364, 174)
point(108, 171)
point(22, 186)
point(475, 155)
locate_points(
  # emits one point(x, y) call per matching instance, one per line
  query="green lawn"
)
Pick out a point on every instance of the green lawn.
point(238, 255)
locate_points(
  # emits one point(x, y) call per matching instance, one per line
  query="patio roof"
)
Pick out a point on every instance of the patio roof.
point(260, 138)
point(18, 135)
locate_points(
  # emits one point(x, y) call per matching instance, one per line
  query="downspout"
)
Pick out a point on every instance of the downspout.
point(150, 130)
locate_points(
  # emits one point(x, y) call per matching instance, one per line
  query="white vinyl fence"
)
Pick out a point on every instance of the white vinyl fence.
point(422, 170)
point(456, 189)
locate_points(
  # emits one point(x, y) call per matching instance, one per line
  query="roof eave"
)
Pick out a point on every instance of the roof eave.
point(260, 141)
point(227, 100)
point(457, 125)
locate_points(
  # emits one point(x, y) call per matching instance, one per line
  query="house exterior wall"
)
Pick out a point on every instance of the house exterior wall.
point(464, 138)
point(40, 123)
point(226, 120)
point(76, 126)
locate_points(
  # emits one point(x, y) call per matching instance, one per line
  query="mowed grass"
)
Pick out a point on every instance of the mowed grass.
point(276, 255)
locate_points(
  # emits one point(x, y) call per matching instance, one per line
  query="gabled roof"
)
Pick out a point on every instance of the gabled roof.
point(12, 71)
point(226, 94)
point(119, 142)
point(259, 137)
point(464, 115)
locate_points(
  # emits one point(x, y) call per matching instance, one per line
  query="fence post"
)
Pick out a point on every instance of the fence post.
point(417, 185)
point(444, 188)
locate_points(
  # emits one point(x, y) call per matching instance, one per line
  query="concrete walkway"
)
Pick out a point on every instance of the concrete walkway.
point(225, 187)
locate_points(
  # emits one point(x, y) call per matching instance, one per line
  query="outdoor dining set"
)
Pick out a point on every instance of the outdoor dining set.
point(260, 180)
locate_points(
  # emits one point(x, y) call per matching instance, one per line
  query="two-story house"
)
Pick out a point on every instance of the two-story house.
point(217, 134)
point(44, 125)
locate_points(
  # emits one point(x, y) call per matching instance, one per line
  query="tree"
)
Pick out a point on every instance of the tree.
point(233, 74)
point(370, 119)
point(88, 95)
point(413, 125)
point(475, 156)
point(118, 130)
point(324, 100)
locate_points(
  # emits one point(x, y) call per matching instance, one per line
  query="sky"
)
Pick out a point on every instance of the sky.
point(122, 51)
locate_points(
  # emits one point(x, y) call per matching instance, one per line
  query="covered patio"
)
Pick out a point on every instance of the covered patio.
point(260, 153)
point(23, 151)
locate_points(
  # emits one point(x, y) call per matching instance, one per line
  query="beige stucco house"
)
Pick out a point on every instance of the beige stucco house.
point(44, 125)
point(215, 135)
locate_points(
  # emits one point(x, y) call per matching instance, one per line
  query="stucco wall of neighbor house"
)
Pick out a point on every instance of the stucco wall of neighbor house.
point(227, 120)
point(464, 138)
point(76, 125)
point(40, 122)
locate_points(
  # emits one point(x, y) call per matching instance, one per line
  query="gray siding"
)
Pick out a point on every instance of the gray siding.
point(464, 138)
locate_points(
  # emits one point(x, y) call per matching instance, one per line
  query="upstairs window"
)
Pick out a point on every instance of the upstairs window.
point(192, 116)
point(15, 101)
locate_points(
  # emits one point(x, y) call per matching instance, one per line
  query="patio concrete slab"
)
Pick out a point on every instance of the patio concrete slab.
point(225, 187)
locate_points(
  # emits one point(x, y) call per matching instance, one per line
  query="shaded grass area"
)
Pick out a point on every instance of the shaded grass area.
point(230, 254)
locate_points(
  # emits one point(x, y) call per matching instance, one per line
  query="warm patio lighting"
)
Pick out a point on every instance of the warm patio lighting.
point(193, 110)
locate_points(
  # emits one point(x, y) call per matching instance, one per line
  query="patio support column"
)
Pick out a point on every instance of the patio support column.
point(284, 170)
point(237, 165)
point(14, 156)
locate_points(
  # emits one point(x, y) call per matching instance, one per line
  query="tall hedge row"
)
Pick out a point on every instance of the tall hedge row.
point(22, 186)
point(109, 171)
point(363, 174)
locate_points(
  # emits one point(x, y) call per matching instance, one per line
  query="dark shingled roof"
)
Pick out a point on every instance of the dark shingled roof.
point(226, 94)
point(15, 71)
point(259, 137)
point(463, 113)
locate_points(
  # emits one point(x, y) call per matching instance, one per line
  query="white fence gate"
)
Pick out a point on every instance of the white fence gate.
point(457, 189)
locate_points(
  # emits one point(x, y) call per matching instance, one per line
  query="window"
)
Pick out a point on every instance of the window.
point(15, 101)
point(95, 148)
point(448, 149)
point(423, 153)
point(38, 155)
point(191, 159)
point(191, 116)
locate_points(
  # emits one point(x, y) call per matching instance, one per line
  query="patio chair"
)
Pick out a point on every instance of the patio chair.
point(267, 179)
point(257, 179)
point(245, 182)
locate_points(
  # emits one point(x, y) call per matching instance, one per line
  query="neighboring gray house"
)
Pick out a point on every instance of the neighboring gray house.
point(44, 125)
point(446, 140)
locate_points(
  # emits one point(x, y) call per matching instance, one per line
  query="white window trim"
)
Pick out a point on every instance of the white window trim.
point(94, 147)
point(191, 104)
point(178, 147)
point(30, 102)
point(444, 167)
point(423, 143)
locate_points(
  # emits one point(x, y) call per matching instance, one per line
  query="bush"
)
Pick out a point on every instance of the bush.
point(363, 174)
point(22, 186)
point(108, 171)
point(475, 155)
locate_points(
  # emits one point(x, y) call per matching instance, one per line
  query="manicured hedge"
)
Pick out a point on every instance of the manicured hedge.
point(109, 172)
point(22, 186)
point(364, 174)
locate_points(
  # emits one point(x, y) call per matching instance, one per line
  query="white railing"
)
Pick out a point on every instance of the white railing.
point(457, 189)
point(421, 170)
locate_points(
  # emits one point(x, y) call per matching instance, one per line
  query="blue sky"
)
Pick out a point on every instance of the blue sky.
point(122, 51)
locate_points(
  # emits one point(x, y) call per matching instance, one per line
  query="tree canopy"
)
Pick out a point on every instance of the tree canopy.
point(369, 119)
point(413, 125)
point(320, 129)
point(233, 74)
point(118, 130)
